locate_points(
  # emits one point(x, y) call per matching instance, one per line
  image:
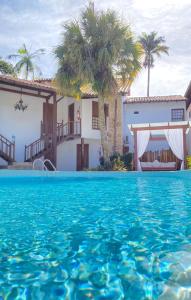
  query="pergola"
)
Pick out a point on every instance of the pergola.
point(138, 129)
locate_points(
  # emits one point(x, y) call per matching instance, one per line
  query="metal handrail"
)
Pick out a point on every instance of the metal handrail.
point(49, 161)
point(41, 161)
point(44, 167)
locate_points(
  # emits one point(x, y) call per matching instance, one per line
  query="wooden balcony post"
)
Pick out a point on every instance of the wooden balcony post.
point(135, 150)
point(54, 131)
point(184, 147)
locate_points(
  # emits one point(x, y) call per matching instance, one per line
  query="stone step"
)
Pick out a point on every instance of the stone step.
point(21, 166)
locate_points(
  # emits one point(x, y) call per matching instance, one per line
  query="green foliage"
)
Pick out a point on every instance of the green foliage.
point(117, 162)
point(128, 159)
point(153, 45)
point(95, 51)
point(6, 68)
point(25, 65)
point(188, 161)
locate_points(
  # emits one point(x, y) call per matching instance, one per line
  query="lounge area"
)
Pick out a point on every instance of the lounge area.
point(168, 151)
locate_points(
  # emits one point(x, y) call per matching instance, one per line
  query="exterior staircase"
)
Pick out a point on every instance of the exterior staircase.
point(43, 146)
point(7, 149)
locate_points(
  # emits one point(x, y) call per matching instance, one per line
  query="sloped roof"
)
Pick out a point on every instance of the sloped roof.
point(87, 90)
point(155, 99)
point(7, 79)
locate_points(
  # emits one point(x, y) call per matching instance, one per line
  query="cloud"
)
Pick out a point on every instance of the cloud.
point(38, 23)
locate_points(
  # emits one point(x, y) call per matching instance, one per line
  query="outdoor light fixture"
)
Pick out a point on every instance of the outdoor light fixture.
point(20, 104)
point(78, 114)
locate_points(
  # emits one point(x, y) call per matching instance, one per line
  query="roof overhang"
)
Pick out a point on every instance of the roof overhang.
point(155, 99)
point(29, 88)
point(159, 126)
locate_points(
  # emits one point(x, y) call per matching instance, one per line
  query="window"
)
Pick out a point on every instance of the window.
point(95, 116)
point(177, 114)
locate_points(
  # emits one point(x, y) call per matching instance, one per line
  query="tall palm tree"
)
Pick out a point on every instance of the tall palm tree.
point(26, 62)
point(6, 68)
point(96, 50)
point(153, 45)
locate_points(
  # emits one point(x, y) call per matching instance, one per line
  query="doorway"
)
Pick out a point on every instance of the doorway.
point(71, 119)
point(82, 157)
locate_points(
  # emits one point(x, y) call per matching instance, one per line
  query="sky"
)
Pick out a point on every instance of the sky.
point(38, 24)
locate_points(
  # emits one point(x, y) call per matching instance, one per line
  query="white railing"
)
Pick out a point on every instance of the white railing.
point(43, 164)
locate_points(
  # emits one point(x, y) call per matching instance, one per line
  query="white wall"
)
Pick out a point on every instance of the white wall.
point(25, 126)
point(67, 155)
point(148, 113)
point(62, 109)
point(87, 131)
point(94, 152)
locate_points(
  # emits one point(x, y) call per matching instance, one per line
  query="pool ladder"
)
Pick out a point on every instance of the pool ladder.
point(44, 164)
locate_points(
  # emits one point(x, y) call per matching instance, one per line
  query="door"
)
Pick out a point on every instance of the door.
point(47, 127)
point(71, 119)
point(82, 156)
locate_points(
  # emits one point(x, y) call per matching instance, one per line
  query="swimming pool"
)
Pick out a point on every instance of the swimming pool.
point(95, 235)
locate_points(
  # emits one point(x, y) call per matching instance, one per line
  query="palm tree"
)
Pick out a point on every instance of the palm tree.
point(96, 51)
point(153, 46)
point(25, 65)
point(6, 68)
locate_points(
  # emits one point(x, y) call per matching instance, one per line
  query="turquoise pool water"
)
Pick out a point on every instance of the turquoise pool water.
point(95, 236)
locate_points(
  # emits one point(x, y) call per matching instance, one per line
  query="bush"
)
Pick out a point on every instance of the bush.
point(128, 160)
point(117, 162)
point(188, 161)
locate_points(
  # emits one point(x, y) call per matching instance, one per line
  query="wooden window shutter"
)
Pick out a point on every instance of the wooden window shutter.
point(95, 115)
point(95, 109)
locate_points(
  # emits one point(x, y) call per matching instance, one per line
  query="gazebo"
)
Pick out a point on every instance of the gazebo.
point(173, 132)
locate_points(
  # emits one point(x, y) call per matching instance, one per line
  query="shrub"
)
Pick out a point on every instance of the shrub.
point(117, 162)
point(188, 161)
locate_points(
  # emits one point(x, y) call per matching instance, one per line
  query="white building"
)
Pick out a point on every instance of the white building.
point(27, 113)
point(65, 130)
point(140, 110)
point(61, 129)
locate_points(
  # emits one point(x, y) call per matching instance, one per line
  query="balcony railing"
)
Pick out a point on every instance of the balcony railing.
point(68, 130)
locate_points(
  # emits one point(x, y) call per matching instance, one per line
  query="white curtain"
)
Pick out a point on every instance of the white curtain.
point(175, 140)
point(143, 137)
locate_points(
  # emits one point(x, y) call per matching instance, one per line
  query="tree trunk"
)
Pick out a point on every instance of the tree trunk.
point(103, 129)
point(148, 80)
point(115, 124)
point(118, 137)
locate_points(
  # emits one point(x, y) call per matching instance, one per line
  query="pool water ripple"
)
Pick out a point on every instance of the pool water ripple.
point(95, 236)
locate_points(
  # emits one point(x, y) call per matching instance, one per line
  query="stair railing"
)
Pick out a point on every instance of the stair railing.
point(34, 149)
point(7, 148)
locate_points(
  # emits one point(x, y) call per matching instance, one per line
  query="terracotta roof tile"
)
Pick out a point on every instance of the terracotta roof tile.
point(26, 83)
point(155, 99)
point(87, 90)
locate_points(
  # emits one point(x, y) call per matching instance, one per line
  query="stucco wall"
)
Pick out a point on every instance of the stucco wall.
point(62, 109)
point(87, 131)
point(25, 126)
point(67, 155)
point(94, 152)
point(148, 113)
